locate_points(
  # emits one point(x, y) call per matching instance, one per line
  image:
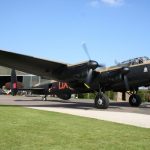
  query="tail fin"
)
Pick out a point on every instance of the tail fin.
point(13, 85)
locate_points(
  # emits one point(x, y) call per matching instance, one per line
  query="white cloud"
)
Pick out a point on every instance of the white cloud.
point(113, 2)
point(95, 3)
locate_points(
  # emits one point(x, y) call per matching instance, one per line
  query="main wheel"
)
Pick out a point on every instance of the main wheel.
point(135, 100)
point(101, 101)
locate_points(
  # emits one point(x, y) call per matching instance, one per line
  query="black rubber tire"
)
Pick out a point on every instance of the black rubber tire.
point(101, 101)
point(135, 100)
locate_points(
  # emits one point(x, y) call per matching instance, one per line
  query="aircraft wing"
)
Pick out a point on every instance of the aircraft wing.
point(37, 66)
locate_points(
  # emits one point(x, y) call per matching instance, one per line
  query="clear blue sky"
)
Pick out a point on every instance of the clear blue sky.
point(55, 29)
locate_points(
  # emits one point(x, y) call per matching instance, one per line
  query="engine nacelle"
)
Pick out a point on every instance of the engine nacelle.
point(78, 71)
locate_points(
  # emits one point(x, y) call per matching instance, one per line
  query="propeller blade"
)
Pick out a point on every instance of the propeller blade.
point(89, 76)
point(88, 55)
point(102, 65)
point(126, 82)
point(117, 63)
point(86, 50)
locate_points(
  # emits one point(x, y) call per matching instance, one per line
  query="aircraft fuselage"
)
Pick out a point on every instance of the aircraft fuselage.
point(139, 75)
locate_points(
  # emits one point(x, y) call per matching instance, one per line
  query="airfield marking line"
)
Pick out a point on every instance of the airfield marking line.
point(139, 120)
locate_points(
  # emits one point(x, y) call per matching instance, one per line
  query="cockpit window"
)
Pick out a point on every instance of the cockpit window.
point(135, 61)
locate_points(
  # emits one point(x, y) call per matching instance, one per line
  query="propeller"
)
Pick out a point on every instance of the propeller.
point(117, 63)
point(86, 50)
point(89, 76)
point(92, 65)
point(125, 71)
point(126, 82)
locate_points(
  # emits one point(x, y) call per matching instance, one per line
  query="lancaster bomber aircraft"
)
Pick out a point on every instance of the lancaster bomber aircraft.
point(84, 77)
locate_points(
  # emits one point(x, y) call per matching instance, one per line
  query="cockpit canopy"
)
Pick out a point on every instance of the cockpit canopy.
point(134, 61)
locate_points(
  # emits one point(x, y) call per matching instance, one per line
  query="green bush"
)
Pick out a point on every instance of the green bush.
point(110, 94)
point(145, 95)
point(86, 95)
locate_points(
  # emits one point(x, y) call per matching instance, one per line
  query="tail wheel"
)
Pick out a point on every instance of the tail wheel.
point(101, 101)
point(135, 100)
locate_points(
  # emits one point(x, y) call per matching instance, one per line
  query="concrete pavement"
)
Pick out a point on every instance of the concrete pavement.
point(135, 119)
point(119, 112)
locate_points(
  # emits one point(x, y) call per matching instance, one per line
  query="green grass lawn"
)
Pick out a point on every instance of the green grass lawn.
point(27, 129)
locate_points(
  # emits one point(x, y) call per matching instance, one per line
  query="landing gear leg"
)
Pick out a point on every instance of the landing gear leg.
point(101, 101)
point(44, 98)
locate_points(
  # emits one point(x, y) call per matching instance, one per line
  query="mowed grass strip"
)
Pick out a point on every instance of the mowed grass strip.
point(27, 129)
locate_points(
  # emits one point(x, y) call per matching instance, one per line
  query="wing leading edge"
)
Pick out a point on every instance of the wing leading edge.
point(37, 66)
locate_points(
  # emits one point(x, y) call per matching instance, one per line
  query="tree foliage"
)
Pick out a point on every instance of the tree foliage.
point(144, 94)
